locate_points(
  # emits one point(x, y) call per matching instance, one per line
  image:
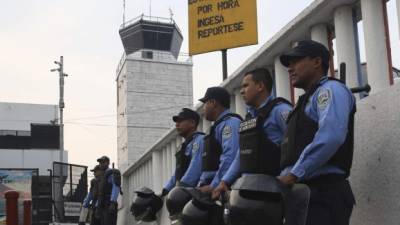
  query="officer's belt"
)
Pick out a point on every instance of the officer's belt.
point(325, 180)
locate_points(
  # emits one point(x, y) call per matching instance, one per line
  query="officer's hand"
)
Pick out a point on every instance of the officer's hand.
point(207, 189)
point(164, 192)
point(288, 180)
point(221, 188)
point(113, 207)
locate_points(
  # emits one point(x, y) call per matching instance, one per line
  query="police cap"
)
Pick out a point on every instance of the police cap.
point(97, 167)
point(103, 159)
point(186, 114)
point(219, 94)
point(306, 48)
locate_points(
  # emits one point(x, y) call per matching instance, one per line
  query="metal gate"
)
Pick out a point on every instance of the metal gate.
point(69, 190)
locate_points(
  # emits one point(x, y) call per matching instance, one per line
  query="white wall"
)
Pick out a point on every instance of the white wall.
point(30, 158)
point(15, 116)
point(150, 93)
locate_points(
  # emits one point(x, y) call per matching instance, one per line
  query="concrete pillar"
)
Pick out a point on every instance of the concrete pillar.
point(282, 81)
point(173, 151)
point(123, 212)
point(239, 104)
point(233, 103)
point(206, 125)
point(164, 165)
point(398, 14)
point(169, 160)
point(319, 33)
point(376, 50)
point(346, 43)
point(149, 173)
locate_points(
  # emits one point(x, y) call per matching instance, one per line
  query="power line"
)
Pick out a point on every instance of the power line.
point(113, 125)
point(92, 117)
point(131, 113)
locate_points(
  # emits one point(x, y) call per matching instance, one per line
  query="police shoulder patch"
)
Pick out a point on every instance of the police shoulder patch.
point(227, 132)
point(324, 98)
point(285, 115)
point(195, 147)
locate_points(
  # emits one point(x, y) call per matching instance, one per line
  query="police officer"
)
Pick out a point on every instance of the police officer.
point(318, 147)
point(109, 189)
point(222, 143)
point(262, 131)
point(188, 158)
point(91, 198)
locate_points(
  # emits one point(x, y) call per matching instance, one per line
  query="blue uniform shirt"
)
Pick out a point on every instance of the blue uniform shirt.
point(274, 128)
point(227, 134)
point(87, 200)
point(115, 188)
point(192, 175)
point(330, 107)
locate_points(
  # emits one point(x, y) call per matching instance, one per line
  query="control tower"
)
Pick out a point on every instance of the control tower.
point(154, 81)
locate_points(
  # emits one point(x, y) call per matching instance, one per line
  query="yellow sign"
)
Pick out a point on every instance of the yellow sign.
point(221, 24)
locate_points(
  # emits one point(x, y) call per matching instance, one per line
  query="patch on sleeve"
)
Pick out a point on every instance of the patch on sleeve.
point(285, 115)
point(195, 147)
point(227, 132)
point(324, 98)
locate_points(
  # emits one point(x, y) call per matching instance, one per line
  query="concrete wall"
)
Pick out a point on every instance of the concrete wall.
point(151, 91)
point(30, 158)
point(375, 174)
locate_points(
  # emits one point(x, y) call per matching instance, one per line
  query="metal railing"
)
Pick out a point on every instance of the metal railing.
point(154, 19)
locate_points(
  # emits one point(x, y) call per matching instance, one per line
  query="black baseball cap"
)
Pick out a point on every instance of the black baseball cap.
point(220, 94)
point(187, 114)
point(103, 158)
point(306, 48)
point(97, 167)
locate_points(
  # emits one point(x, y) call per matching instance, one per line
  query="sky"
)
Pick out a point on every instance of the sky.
point(35, 33)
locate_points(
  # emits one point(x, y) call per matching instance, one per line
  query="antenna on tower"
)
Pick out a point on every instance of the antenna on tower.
point(150, 8)
point(171, 14)
point(123, 14)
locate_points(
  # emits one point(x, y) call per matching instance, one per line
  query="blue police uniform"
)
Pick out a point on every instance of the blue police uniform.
point(319, 143)
point(274, 128)
point(191, 177)
point(110, 191)
point(329, 106)
point(318, 150)
point(115, 188)
point(227, 135)
point(88, 199)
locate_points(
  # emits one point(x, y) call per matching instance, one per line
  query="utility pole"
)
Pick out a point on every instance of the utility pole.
point(61, 104)
point(123, 16)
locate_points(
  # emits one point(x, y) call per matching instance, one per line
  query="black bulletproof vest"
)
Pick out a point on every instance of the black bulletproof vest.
point(94, 188)
point(258, 154)
point(182, 160)
point(212, 148)
point(302, 129)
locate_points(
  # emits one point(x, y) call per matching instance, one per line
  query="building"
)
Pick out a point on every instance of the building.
point(154, 81)
point(29, 136)
point(376, 154)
